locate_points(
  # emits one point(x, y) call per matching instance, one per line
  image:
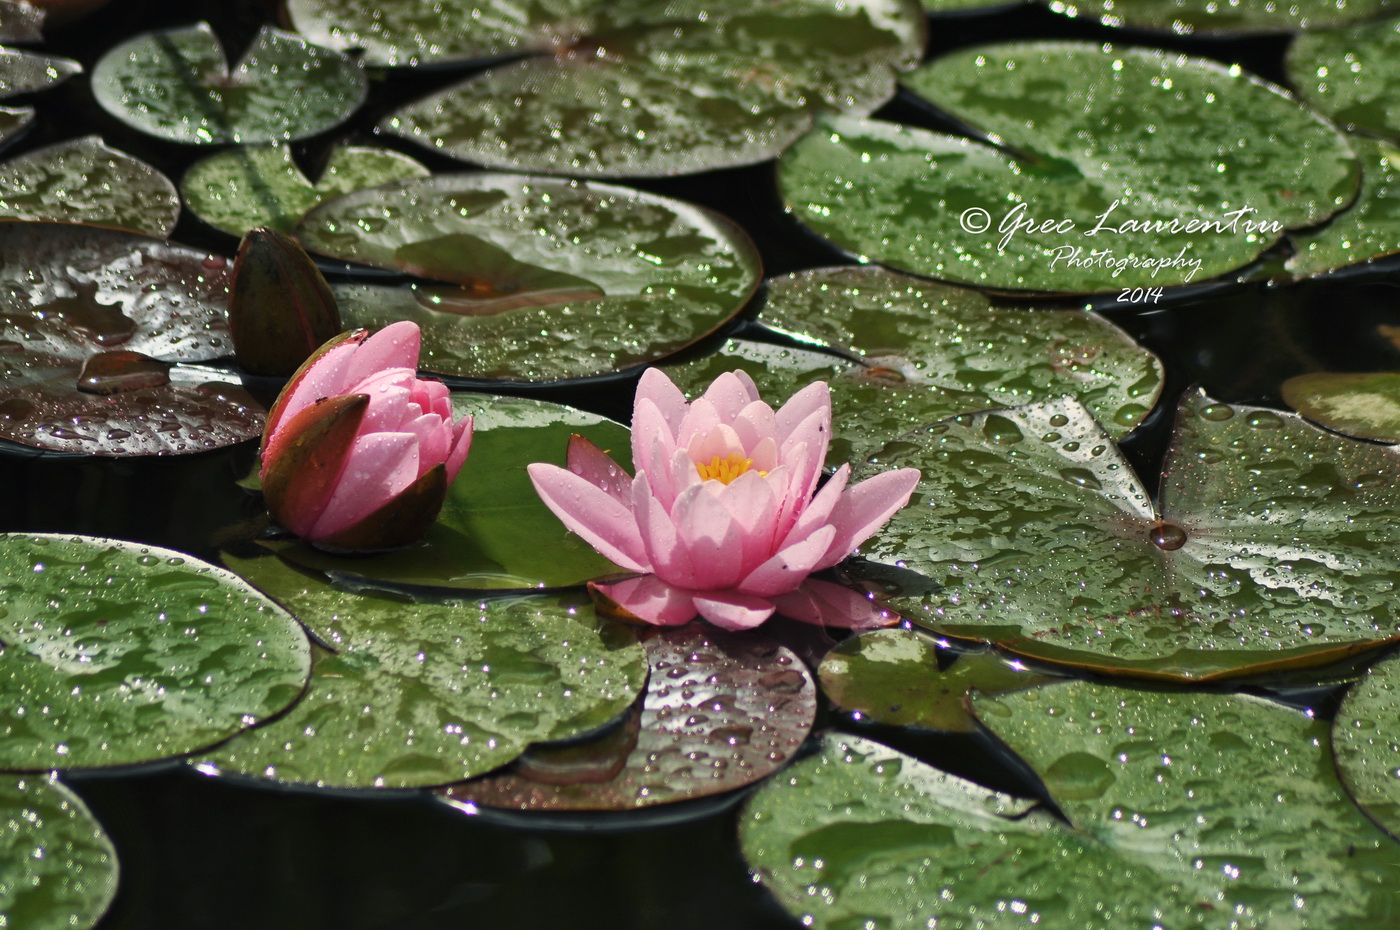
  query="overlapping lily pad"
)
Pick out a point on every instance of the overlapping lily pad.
point(1275, 546)
point(1364, 739)
point(177, 85)
point(1208, 18)
point(1096, 158)
point(893, 677)
point(96, 329)
point(926, 351)
point(540, 279)
point(721, 711)
point(85, 181)
point(13, 122)
point(1184, 810)
point(1368, 229)
point(57, 867)
point(634, 91)
point(425, 694)
point(116, 653)
point(1351, 74)
point(1361, 404)
point(245, 188)
point(494, 532)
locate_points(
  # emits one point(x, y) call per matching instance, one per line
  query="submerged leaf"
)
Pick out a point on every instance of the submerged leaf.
point(58, 869)
point(1361, 404)
point(85, 181)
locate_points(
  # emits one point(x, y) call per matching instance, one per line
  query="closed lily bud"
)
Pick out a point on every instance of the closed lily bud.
point(280, 307)
point(358, 452)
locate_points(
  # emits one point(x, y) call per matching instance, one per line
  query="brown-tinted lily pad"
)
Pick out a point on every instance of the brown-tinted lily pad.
point(1361, 404)
point(85, 181)
point(721, 711)
point(94, 326)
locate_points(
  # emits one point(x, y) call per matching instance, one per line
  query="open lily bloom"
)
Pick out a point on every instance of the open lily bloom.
point(723, 516)
point(358, 452)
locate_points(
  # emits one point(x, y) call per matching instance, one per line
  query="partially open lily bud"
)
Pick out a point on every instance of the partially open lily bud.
point(280, 307)
point(358, 452)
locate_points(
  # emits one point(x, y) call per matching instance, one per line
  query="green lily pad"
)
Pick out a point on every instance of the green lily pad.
point(1363, 737)
point(244, 188)
point(1351, 74)
point(20, 21)
point(893, 677)
point(1273, 548)
point(721, 711)
point(666, 91)
point(1361, 404)
point(96, 329)
point(1208, 18)
point(928, 351)
point(116, 653)
point(1368, 229)
point(427, 694)
point(494, 532)
point(25, 72)
point(58, 869)
point(13, 123)
point(1088, 167)
point(85, 181)
point(177, 85)
point(562, 280)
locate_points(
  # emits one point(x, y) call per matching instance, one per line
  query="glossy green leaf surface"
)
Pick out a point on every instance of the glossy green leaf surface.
point(1361, 404)
point(1369, 228)
point(57, 867)
point(721, 711)
point(85, 181)
point(1242, 17)
point(646, 275)
point(930, 351)
point(425, 694)
point(116, 653)
point(1351, 74)
point(13, 122)
point(177, 85)
point(244, 188)
point(96, 326)
point(494, 532)
point(1086, 195)
point(25, 72)
point(1363, 737)
point(1273, 549)
point(893, 677)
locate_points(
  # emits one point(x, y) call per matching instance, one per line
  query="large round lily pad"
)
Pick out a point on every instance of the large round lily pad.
point(85, 181)
point(1361, 404)
point(928, 351)
point(1364, 739)
point(1092, 192)
point(177, 85)
point(721, 711)
point(58, 870)
point(540, 279)
point(494, 532)
point(1368, 229)
point(94, 324)
point(116, 653)
point(1351, 74)
point(425, 694)
point(1274, 545)
point(1209, 18)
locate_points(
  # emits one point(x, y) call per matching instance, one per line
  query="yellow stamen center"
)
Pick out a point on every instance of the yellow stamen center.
point(725, 469)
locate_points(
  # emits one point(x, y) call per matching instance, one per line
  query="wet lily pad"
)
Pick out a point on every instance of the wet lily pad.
point(85, 181)
point(245, 188)
point(426, 694)
point(1361, 404)
point(1184, 810)
point(554, 279)
point(639, 92)
point(177, 85)
point(893, 677)
point(721, 711)
point(116, 653)
point(25, 72)
point(1368, 229)
point(1208, 18)
point(928, 351)
point(97, 332)
point(1351, 74)
point(20, 21)
point(1272, 547)
point(1079, 125)
point(58, 869)
point(494, 532)
point(1363, 737)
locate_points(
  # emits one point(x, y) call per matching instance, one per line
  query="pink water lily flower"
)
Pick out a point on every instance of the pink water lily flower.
point(358, 452)
point(723, 516)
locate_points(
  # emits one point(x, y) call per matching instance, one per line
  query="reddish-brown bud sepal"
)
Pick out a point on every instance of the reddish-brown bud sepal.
point(280, 306)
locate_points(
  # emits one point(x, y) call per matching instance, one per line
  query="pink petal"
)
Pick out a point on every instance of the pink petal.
point(461, 443)
point(657, 388)
point(603, 522)
point(864, 508)
point(670, 561)
point(720, 442)
point(753, 505)
point(812, 399)
point(649, 599)
point(712, 538)
point(754, 424)
point(594, 466)
point(698, 420)
point(730, 393)
point(434, 439)
point(326, 378)
point(379, 466)
point(815, 433)
point(787, 569)
point(818, 512)
point(394, 346)
point(389, 409)
point(653, 445)
point(730, 610)
point(827, 604)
